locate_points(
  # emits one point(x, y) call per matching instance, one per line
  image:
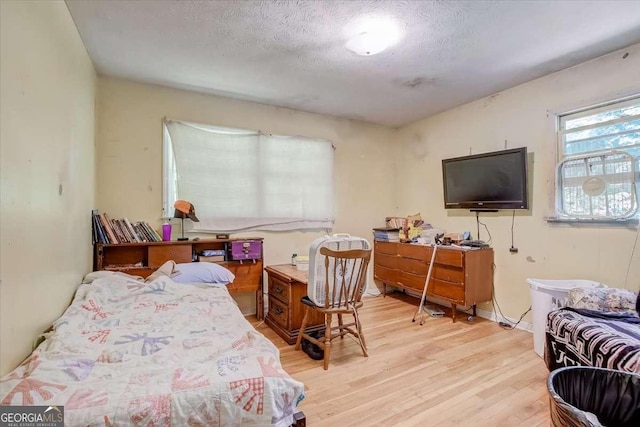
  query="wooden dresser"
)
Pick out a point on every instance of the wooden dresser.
point(459, 277)
point(142, 259)
point(287, 285)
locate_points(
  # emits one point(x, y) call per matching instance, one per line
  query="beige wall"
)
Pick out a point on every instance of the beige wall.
point(47, 162)
point(129, 152)
point(524, 116)
point(48, 86)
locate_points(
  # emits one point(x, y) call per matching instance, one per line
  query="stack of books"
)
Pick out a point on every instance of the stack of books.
point(386, 234)
point(396, 222)
point(113, 231)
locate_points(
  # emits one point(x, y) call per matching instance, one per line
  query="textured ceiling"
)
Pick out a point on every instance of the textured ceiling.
point(292, 54)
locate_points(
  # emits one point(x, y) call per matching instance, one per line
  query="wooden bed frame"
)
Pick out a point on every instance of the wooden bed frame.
point(300, 420)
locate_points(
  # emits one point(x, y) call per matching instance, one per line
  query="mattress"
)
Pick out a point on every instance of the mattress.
point(161, 353)
point(577, 337)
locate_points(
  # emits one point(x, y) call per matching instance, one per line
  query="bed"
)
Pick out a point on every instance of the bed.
point(599, 327)
point(580, 337)
point(158, 353)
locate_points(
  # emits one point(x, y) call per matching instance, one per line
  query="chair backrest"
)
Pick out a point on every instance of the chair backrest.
point(346, 276)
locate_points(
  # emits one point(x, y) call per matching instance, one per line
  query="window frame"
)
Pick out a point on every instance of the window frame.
point(561, 155)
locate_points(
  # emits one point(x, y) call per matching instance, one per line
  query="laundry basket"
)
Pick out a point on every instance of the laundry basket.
point(583, 396)
point(317, 273)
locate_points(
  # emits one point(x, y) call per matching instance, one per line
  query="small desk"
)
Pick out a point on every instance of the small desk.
point(287, 285)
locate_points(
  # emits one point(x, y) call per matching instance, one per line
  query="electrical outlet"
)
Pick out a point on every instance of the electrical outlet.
point(513, 250)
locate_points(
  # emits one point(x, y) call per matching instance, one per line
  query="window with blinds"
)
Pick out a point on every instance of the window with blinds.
point(599, 152)
point(245, 180)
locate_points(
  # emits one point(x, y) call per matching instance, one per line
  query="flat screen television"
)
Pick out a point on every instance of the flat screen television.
point(488, 181)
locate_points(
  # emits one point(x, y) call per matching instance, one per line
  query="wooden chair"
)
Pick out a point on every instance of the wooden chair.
point(342, 295)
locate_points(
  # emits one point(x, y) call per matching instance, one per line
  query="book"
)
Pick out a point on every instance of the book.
point(386, 234)
point(126, 230)
point(151, 232)
point(141, 232)
point(216, 258)
point(101, 231)
point(94, 230)
point(102, 238)
point(118, 231)
point(133, 232)
point(107, 228)
point(213, 252)
point(154, 234)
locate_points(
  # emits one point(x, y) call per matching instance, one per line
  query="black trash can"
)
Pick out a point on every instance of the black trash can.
point(583, 396)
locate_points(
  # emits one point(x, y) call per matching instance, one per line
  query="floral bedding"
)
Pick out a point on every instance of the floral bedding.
point(157, 354)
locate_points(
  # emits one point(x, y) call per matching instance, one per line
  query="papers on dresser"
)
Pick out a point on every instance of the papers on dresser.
point(386, 234)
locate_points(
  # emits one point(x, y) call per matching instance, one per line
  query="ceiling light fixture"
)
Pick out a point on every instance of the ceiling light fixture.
point(371, 35)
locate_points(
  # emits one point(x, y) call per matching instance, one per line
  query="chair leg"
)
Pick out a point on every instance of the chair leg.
point(340, 325)
point(327, 340)
point(363, 344)
point(302, 327)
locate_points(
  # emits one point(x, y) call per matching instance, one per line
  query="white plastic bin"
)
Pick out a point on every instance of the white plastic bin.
point(548, 295)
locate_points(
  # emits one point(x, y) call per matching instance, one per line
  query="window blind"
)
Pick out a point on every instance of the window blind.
point(246, 180)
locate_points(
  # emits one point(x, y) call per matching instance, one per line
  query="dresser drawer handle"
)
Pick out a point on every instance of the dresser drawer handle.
point(278, 310)
point(279, 289)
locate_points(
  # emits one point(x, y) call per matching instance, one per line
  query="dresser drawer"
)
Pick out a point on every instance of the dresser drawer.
point(387, 275)
point(448, 273)
point(450, 257)
point(279, 289)
point(420, 252)
point(279, 312)
point(388, 248)
point(413, 281)
point(158, 255)
point(384, 260)
point(451, 291)
point(414, 266)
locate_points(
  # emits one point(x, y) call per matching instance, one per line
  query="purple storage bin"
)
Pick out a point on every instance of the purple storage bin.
point(246, 249)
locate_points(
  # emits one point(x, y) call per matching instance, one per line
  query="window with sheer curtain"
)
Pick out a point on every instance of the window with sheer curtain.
point(245, 180)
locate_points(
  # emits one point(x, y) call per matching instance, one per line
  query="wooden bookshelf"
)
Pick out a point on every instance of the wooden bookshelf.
point(142, 259)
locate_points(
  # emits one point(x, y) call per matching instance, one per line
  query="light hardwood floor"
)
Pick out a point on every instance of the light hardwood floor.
point(438, 374)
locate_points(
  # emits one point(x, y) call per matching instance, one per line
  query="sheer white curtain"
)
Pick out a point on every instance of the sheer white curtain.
point(244, 180)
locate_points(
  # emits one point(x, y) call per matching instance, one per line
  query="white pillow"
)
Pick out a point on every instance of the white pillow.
point(203, 272)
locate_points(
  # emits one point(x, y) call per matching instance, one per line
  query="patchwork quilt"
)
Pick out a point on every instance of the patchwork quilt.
point(155, 354)
point(580, 337)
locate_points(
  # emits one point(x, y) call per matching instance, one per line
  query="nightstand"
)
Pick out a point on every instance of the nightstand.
point(287, 285)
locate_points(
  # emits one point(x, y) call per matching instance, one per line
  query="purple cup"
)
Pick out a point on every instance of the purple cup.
point(166, 232)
